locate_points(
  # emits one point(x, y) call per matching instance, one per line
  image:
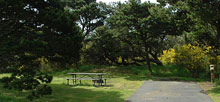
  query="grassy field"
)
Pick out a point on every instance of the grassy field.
point(119, 88)
point(123, 82)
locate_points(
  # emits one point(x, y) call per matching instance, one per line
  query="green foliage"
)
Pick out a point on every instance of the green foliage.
point(40, 91)
point(192, 57)
point(134, 70)
point(45, 65)
point(46, 31)
point(90, 14)
point(81, 68)
point(31, 30)
point(104, 49)
point(204, 18)
point(170, 70)
point(134, 33)
point(37, 35)
point(28, 79)
point(214, 93)
point(84, 68)
point(217, 81)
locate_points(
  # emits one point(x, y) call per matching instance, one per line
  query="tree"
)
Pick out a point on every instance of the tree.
point(31, 30)
point(193, 57)
point(208, 14)
point(205, 15)
point(140, 31)
point(91, 14)
point(148, 25)
point(103, 48)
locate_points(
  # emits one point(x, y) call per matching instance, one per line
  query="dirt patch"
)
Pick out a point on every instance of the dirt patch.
point(206, 86)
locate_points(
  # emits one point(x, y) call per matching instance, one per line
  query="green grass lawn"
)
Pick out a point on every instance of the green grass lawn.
point(215, 94)
point(123, 82)
point(118, 89)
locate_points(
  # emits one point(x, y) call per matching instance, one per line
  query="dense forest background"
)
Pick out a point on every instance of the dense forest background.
point(40, 36)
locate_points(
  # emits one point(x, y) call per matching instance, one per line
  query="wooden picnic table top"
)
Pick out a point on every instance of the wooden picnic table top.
point(86, 73)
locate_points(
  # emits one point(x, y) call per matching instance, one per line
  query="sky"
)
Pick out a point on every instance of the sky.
point(107, 1)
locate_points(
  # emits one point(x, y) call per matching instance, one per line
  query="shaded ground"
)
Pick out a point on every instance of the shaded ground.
point(169, 91)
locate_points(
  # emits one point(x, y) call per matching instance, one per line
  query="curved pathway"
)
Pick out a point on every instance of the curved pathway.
point(169, 91)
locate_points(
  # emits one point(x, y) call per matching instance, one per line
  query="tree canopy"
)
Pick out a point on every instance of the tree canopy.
point(67, 32)
point(31, 30)
point(140, 30)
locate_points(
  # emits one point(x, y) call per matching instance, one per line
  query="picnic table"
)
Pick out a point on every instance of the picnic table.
point(95, 77)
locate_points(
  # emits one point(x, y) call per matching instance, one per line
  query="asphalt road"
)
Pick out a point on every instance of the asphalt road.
point(169, 91)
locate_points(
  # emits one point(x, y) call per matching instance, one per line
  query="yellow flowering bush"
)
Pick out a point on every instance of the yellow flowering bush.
point(192, 57)
point(168, 56)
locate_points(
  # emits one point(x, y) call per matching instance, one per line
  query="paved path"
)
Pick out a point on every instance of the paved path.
point(169, 91)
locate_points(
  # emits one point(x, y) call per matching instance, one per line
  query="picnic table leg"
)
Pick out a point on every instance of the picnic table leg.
point(105, 82)
point(74, 79)
point(93, 82)
point(67, 81)
point(101, 80)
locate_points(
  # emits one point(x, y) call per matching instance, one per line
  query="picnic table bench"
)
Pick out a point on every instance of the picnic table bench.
point(95, 77)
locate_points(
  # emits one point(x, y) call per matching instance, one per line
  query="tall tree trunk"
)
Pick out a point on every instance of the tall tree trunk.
point(148, 63)
point(146, 47)
point(216, 60)
point(155, 59)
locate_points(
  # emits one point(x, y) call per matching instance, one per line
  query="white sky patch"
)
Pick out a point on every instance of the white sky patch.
point(108, 1)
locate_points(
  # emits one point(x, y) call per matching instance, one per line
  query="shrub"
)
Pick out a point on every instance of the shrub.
point(193, 57)
point(168, 56)
point(28, 78)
